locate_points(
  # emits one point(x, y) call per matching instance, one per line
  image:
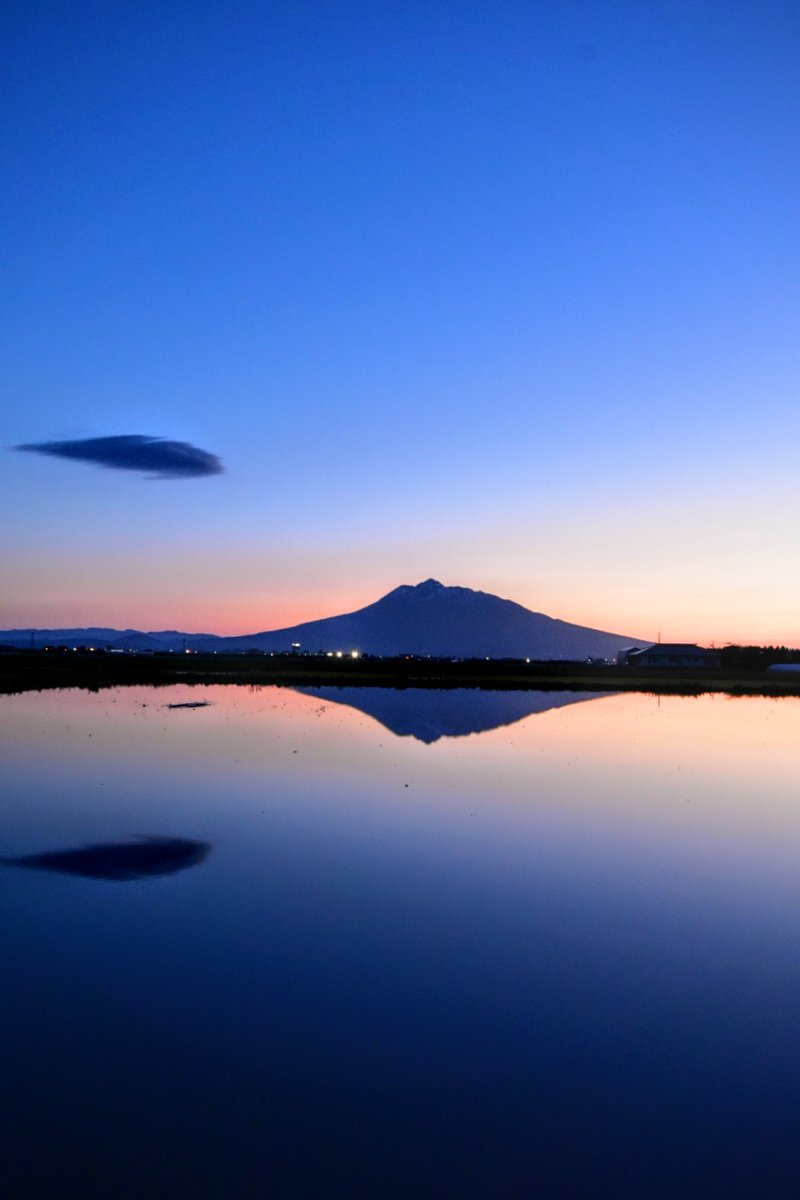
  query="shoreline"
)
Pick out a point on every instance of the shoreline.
point(38, 670)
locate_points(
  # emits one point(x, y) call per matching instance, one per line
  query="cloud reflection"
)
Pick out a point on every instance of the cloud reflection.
point(119, 861)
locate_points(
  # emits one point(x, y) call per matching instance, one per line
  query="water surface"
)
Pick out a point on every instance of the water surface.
point(519, 946)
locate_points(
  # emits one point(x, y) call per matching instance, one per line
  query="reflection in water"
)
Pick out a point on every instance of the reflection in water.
point(561, 960)
point(428, 714)
point(119, 861)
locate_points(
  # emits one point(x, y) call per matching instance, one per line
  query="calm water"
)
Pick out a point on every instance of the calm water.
point(442, 945)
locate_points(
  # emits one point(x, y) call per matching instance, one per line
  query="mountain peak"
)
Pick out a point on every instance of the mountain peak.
point(420, 591)
point(441, 593)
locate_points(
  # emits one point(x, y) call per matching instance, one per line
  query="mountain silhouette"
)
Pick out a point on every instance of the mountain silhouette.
point(424, 619)
point(429, 714)
point(431, 619)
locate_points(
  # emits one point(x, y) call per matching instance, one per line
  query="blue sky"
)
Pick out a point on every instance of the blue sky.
point(507, 294)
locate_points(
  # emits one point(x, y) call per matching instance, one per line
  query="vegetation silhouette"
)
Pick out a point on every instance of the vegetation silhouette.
point(743, 671)
point(119, 861)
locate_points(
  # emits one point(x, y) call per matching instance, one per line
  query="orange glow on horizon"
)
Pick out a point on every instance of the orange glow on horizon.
point(219, 596)
point(228, 618)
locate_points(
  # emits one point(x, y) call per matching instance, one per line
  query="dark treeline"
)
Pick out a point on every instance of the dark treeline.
point(751, 658)
point(743, 670)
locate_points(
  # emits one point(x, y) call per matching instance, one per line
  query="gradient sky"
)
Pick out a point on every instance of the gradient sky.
point(501, 293)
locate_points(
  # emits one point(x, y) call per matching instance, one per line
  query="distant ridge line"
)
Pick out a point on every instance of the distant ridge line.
point(427, 618)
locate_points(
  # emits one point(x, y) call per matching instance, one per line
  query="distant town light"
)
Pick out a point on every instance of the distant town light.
point(354, 654)
point(338, 654)
point(330, 654)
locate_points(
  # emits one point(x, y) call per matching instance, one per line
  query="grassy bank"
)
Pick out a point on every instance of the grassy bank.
point(39, 670)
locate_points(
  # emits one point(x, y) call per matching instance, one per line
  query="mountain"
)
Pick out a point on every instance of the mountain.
point(426, 619)
point(36, 638)
point(104, 638)
point(429, 714)
point(431, 619)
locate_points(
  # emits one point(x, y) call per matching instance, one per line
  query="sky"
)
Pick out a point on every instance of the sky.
point(502, 293)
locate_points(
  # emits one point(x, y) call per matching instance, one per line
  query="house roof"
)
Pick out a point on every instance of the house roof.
point(676, 648)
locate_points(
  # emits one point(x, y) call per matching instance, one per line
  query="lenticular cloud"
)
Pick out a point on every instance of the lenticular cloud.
point(157, 457)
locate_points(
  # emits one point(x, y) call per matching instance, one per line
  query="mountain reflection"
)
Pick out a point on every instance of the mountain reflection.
point(429, 714)
point(119, 861)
